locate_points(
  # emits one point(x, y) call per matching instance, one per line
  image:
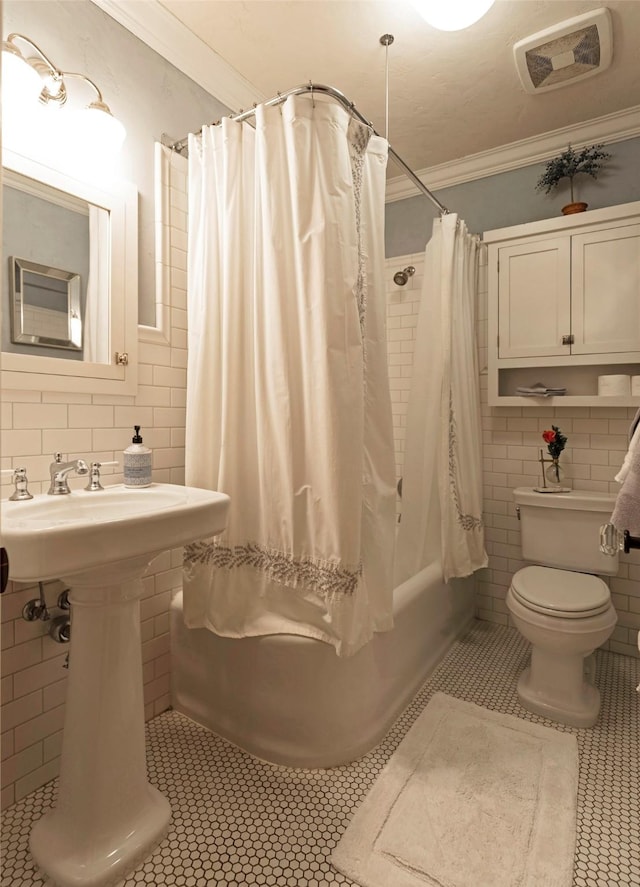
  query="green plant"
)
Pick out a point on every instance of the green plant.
point(571, 163)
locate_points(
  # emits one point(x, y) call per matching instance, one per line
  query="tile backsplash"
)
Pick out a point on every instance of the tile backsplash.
point(97, 428)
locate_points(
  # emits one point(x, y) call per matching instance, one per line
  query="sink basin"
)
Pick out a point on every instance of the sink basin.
point(108, 817)
point(52, 537)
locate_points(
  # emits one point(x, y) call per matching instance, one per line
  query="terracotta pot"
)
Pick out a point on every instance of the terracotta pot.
point(574, 208)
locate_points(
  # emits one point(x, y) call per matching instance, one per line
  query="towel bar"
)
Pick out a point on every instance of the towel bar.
point(630, 541)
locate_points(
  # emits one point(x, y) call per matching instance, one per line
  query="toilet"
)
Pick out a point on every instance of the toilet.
point(560, 605)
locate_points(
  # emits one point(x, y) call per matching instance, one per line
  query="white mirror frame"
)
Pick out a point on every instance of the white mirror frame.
point(160, 333)
point(30, 372)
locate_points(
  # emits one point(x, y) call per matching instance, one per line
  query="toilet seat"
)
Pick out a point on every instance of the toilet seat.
point(560, 593)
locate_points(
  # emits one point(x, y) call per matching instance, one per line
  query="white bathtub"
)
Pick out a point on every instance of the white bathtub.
point(290, 700)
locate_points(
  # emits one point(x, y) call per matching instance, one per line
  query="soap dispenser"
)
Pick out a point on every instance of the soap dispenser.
point(137, 462)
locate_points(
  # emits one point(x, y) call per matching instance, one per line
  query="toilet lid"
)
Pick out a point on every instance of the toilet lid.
point(560, 591)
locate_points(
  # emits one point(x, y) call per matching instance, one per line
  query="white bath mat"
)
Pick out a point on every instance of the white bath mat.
point(470, 798)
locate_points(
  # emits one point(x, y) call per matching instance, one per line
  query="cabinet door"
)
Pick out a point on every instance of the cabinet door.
point(605, 298)
point(534, 293)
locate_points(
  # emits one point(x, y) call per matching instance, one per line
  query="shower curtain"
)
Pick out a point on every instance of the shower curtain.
point(96, 344)
point(288, 406)
point(442, 480)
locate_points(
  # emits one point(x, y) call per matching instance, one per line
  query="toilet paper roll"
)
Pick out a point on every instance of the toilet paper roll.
point(635, 386)
point(614, 386)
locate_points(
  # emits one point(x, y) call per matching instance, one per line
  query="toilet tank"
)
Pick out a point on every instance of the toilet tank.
point(563, 529)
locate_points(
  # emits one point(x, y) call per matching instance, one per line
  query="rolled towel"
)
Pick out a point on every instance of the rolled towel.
point(626, 511)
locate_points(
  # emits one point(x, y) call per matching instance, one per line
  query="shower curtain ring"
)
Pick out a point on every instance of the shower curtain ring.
point(313, 101)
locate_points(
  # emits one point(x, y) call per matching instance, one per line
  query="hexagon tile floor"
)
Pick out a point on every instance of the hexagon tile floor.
point(237, 820)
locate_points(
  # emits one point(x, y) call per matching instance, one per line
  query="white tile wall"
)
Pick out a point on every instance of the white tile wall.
point(597, 442)
point(403, 303)
point(34, 426)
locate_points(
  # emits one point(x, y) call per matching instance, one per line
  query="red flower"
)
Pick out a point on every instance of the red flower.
point(555, 441)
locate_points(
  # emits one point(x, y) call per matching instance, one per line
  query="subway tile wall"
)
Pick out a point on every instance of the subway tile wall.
point(403, 304)
point(99, 427)
point(511, 438)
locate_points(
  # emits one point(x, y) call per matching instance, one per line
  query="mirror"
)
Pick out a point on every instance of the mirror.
point(45, 305)
point(49, 227)
point(69, 280)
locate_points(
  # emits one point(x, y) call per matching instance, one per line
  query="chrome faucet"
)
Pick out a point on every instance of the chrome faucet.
point(60, 471)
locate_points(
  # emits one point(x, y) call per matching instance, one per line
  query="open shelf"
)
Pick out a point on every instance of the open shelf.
point(580, 381)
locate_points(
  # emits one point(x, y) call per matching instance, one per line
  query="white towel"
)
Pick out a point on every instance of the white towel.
point(633, 443)
point(626, 511)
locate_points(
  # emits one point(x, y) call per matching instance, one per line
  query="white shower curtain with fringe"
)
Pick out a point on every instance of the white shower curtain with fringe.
point(288, 406)
point(442, 477)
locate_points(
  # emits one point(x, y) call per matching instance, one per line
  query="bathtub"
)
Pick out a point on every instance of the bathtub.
point(290, 700)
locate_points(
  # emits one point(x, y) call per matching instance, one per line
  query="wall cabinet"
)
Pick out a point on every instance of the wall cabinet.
point(564, 306)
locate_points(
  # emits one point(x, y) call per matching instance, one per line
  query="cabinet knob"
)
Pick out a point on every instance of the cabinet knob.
point(568, 340)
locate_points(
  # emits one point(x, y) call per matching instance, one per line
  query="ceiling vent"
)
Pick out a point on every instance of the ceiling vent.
point(565, 53)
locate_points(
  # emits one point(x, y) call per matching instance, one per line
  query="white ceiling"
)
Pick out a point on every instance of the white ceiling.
point(451, 94)
point(458, 111)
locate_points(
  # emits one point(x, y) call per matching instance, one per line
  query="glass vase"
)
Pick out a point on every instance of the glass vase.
point(554, 474)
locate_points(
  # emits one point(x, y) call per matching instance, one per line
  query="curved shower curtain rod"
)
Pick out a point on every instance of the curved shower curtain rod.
point(351, 108)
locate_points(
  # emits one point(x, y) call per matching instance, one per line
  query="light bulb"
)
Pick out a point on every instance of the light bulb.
point(93, 138)
point(21, 84)
point(98, 129)
point(453, 15)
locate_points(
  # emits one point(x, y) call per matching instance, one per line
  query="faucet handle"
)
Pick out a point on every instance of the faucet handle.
point(94, 477)
point(22, 485)
point(21, 482)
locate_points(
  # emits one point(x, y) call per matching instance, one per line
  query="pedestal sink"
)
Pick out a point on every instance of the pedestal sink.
point(108, 817)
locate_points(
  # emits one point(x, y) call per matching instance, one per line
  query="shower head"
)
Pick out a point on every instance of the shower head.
point(401, 277)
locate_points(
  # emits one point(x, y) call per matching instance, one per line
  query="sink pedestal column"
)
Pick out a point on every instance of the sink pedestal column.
point(108, 817)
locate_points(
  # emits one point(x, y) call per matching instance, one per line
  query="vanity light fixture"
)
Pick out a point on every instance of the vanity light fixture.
point(27, 79)
point(453, 15)
point(26, 83)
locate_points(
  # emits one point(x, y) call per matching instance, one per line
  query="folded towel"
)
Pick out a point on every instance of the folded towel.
point(539, 390)
point(626, 511)
point(634, 438)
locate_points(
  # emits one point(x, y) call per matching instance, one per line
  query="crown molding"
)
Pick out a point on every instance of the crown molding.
point(163, 32)
point(611, 128)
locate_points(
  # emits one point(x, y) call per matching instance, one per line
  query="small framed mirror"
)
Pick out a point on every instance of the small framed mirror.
point(45, 305)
